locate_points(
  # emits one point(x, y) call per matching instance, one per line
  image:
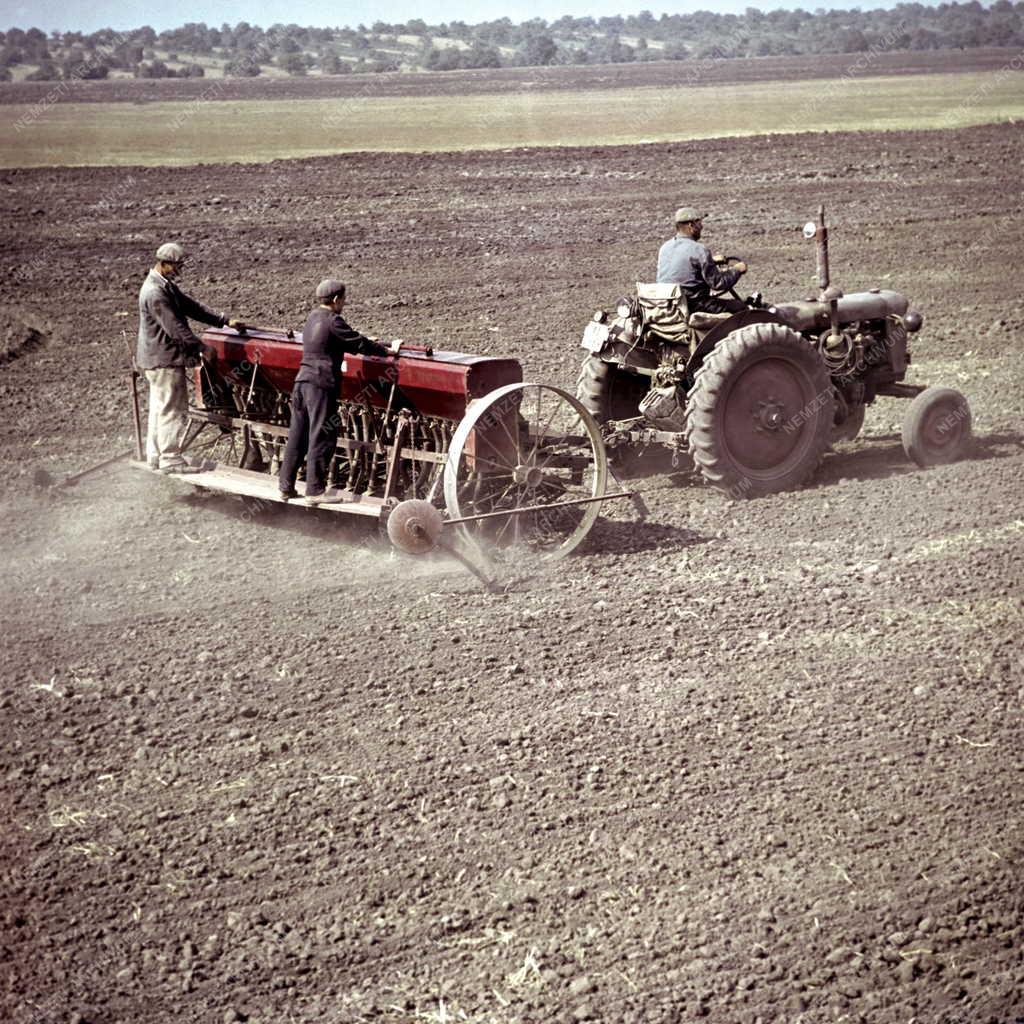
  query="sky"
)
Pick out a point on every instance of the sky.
point(70, 15)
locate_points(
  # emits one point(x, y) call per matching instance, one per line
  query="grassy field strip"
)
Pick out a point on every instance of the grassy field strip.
point(255, 130)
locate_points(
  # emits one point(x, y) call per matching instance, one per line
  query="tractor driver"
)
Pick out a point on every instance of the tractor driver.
point(684, 261)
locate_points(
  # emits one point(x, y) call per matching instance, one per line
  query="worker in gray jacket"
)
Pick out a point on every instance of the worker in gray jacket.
point(166, 346)
point(684, 261)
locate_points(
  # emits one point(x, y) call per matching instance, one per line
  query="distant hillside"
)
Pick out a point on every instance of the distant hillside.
point(244, 50)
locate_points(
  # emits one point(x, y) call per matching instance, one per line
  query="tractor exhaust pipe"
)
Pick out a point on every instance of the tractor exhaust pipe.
point(818, 230)
point(821, 238)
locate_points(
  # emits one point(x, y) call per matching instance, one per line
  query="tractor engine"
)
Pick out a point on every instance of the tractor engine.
point(863, 345)
point(868, 347)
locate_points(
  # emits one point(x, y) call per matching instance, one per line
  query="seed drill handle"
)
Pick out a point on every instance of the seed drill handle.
point(133, 379)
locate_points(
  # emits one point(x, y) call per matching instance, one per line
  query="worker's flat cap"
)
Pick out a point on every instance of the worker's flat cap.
point(329, 287)
point(688, 213)
point(170, 252)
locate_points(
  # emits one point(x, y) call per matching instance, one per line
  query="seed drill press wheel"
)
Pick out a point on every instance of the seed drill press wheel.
point(414, 526)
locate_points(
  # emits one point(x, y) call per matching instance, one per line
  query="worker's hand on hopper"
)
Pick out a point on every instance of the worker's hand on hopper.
point(396, 345)
point(238, 325)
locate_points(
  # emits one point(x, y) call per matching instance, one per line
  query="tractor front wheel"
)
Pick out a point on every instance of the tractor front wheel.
point(759, 416)
point(937, 427)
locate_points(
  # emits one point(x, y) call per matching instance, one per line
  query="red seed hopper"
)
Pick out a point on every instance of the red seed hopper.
point(436, 384)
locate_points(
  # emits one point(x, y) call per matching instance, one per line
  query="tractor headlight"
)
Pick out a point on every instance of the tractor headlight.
point(624, 309)
point(912, 321)
point(599, 316)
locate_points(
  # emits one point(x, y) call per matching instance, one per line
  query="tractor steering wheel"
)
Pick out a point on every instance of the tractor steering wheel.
point(726, 261)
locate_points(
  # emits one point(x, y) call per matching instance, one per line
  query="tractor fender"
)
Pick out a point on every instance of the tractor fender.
point(726, 327)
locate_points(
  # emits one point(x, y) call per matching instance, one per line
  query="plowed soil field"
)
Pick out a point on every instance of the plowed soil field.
point(744, 762)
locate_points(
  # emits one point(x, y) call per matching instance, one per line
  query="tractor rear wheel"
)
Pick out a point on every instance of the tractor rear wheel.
point(609, 392)
point(937, 427)
point(594, 388)
point(759, 416)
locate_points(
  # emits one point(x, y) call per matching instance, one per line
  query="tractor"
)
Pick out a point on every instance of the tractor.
point(757, 397)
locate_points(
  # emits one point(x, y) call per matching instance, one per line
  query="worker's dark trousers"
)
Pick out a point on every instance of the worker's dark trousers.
point(312, 435)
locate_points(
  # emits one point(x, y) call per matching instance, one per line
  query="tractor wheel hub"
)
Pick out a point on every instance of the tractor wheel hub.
point(769, 415)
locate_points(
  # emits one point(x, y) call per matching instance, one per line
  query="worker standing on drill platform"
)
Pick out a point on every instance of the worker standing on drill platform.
point(313, 431)
point(166, 346)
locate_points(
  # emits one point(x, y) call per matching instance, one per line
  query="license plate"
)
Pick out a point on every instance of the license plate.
point(594, 337)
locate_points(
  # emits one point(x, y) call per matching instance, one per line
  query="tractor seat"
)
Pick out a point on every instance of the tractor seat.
point(667, 315)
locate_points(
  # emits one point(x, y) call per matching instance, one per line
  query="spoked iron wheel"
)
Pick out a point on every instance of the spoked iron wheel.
point(529, 461)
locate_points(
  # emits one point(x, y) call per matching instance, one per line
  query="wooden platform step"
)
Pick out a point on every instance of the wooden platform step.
point(250, 484)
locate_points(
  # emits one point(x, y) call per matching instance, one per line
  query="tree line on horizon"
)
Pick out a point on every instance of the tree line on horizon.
point(245, 50)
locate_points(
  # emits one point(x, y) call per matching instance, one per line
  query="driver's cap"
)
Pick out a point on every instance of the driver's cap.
point(328, 288)
point(687, 213)
point(171, 252)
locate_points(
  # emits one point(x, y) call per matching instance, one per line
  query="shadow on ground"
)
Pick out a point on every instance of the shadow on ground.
point(870, 458)
point(883, 456)
point(613, 537)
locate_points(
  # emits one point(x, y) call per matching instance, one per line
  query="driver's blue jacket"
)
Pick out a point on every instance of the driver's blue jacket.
point(685, 262)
